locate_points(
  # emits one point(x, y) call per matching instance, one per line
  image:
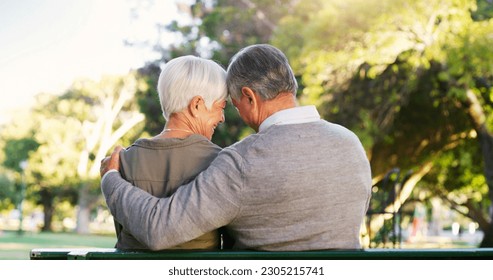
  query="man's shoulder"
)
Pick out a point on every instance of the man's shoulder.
point(244, 144)
point(344, 132)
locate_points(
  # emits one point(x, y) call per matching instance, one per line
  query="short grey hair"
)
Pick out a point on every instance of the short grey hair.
point(185, 77)
point(263, 68)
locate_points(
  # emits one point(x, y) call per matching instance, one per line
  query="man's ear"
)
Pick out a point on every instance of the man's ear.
point(195, 105)
point(250, 95)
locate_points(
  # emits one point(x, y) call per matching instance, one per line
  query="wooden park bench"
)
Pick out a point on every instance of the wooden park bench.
point(366, 254)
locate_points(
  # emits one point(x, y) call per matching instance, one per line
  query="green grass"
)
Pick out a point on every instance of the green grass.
point(18, 247)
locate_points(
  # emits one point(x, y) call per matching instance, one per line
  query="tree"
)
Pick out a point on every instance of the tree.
point(7, 191)
point(103, 113)
point(51, 173)
point(65, 138)
point(410, 77)
point(17, 146)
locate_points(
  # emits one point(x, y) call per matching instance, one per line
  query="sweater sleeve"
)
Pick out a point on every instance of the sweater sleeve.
point(210, 201)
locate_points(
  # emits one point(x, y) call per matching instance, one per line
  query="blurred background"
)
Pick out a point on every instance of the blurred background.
point(412, 78)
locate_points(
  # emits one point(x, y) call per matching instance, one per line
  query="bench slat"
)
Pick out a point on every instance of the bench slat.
point(377, 254)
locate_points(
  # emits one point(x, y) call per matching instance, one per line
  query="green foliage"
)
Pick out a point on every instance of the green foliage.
point(399, 73)
point(232, 25)
point(371, 72)
point(64, 137)
point(484, 11)
point(7, 192)
point(148, 99)
point(457, 179)
point(18, 150)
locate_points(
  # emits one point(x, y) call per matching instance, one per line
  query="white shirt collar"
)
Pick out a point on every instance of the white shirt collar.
point(302, 114)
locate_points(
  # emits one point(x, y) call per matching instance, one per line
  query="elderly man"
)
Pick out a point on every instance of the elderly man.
point(299, 183)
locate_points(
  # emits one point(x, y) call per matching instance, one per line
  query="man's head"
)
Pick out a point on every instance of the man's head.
point(258, 75)
point(264, 69)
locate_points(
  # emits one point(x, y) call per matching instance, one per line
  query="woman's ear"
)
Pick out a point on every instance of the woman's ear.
point(196, 105)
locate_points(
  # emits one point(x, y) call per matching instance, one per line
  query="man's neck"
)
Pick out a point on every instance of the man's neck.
point(281, 102)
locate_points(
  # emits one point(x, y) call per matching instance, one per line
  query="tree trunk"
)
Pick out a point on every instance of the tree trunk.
point(485, 138)
point(47, 202)
point(488, 237)
point(83, 212)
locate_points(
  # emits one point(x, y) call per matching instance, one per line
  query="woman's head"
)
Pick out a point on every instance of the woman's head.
point(186, 77)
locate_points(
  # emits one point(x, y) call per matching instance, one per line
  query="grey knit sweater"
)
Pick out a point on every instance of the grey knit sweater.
point(159, 166)
point(289, 187)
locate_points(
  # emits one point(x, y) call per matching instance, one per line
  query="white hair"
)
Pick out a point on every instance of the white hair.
point(185, 77)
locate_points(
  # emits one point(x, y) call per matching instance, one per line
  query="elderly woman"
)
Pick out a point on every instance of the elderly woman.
point(193, 93)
